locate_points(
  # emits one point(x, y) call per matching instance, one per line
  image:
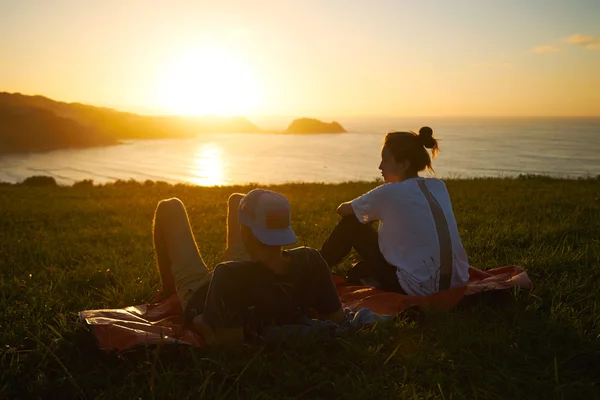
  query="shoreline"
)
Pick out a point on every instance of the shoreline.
point(49, 181)
point(121, 141)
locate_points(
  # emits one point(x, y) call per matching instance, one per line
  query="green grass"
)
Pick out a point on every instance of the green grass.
point(65, 249)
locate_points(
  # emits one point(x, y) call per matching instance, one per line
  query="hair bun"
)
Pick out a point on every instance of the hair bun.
point(426, 137)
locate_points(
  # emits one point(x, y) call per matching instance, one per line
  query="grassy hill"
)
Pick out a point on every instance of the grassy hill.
point(25, 129)
point(65, 249)
point(88, 125)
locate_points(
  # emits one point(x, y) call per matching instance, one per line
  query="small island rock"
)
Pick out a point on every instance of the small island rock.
point(311, 125)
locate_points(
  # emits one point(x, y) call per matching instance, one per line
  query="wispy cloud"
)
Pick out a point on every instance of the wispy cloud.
point(545, 49)
point(589, 42)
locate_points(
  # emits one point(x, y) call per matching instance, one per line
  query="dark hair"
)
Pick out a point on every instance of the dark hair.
point(411, 146)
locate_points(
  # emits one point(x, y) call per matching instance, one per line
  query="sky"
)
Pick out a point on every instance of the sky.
point(308, 58)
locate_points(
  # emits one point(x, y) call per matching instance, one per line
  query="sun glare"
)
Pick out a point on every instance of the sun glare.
point(207, 169)
point(210, 81)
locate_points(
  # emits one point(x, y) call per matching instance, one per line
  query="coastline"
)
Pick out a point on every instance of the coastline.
point(49, 182)
point(121, 141)
point(468, 149)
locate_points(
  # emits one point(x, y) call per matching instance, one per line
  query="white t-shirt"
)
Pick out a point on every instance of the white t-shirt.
point(408, 237)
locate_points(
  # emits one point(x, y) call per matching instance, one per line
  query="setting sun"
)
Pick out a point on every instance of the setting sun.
point(210, 81)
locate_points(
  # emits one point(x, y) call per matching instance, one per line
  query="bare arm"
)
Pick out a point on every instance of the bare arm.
point(345, 209)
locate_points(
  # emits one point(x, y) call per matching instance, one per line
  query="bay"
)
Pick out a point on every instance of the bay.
point(470, 147)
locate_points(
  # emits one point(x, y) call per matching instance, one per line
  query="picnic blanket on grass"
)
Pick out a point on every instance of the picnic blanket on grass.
point(146, 324)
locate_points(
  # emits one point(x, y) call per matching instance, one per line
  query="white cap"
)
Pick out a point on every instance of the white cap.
point(268, 214)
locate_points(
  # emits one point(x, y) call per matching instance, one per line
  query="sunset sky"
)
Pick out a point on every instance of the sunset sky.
point(313, 58)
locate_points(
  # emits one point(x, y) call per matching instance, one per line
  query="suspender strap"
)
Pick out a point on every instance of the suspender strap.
point(441, 225)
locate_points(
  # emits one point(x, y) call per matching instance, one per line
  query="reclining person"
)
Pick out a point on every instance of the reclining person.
point(259, 285)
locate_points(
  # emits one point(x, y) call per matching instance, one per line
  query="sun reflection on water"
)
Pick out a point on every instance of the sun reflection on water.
point(207, 168)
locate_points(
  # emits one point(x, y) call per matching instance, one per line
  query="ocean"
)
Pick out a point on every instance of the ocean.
point(469, 147)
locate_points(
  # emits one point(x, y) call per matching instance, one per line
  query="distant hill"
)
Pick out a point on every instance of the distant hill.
point(27, 129)
point(124, 125)
point(37, 123)
point(311, 125)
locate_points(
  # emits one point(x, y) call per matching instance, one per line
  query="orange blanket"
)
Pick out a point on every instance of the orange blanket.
point(123, 328)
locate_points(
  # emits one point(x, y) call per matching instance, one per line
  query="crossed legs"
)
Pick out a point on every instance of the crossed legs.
point(179, 262)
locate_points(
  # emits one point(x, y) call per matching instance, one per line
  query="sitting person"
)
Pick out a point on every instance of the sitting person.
point(417, 249)
point(259, 285)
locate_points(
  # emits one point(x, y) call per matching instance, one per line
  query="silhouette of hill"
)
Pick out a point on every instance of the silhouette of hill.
point(28, 129)
point(311, 125)
point(37, 123)
point(124, 125)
